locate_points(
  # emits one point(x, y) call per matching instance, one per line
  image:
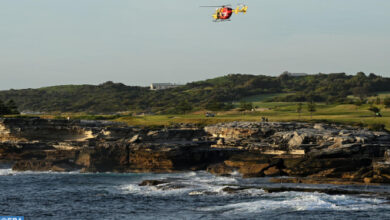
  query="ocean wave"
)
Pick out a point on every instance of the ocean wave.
point(7, 172)
point(191, 183)
point(192, 195)
point(298, 201)
point(203, 177)
point(152, 190)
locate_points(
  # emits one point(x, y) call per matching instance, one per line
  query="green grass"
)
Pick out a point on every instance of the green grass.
point(274, 111)
point(345, 114)
point(381, 95)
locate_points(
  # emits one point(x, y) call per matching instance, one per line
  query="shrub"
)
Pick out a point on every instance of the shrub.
point(376, 127)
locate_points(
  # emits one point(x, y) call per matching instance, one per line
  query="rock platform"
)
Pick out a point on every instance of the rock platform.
point(302, 151)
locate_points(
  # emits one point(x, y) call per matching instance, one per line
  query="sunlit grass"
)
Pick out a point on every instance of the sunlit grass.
point(346, 114)
point(274, 111)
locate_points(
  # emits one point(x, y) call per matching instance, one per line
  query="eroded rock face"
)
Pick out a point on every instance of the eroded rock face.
point(306, 150)
point(249, 165)
point(13, 129)
point(157, 157)
point(62, 145)
point(318, 151)
point(289, 138)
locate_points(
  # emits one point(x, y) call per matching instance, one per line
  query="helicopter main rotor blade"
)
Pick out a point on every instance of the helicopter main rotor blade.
point(213, 6)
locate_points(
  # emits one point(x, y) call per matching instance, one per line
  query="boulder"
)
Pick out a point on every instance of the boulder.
point(273, 171)
point(316, 165)
point(345, 150)
point(220, 169)
point(387, 155)
point(152, 182)
point(248, 168)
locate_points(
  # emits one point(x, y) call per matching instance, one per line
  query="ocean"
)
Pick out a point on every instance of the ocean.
point(186, 195)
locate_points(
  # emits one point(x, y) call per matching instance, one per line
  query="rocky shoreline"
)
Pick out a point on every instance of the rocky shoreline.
point(308, 153)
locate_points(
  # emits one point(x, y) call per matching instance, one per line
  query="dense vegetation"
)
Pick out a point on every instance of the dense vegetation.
point(108, 97)
point(332, 88)
point(212, 94)
point(8, 108)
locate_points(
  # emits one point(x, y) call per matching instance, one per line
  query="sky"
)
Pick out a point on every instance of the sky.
point(58, 42)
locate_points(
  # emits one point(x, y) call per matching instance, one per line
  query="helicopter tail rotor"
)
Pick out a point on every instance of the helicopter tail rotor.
point(243, 9)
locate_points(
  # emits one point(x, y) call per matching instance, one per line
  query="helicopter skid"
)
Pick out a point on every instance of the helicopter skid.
point(219, 20)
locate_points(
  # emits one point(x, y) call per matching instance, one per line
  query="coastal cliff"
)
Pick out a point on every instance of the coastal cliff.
point(305, 152)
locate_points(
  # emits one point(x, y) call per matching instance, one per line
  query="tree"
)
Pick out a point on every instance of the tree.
point(246, 105)
point(372, 76)
point(378, 100)
point(311, 107)
point(358, 103)
point(376, 111)
point(360, 92)
point(12, 108)
point(361, 75)
point(299, 109)
point(386, 102)
point(371, 103)
point(9, 108)
point(3, 108)
point(228, 106)
point(218, 106)
point(183, 107)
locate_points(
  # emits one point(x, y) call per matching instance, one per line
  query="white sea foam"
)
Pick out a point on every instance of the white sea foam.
point(152, 190)
point(255, 200)
point(6, 172)
point(254, 192)
point(190, 174)
point(193, 183)
point(131, 188)
point(297, 201)
point(205, 178)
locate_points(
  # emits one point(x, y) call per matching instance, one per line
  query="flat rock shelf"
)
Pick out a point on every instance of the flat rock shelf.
point(300, 152)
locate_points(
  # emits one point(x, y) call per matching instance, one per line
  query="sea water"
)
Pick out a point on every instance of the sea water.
point(188, 195)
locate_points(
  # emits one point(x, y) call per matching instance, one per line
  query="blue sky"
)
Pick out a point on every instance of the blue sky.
point(55, 42)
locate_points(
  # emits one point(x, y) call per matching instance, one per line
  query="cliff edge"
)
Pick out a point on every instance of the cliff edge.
point(307, 152)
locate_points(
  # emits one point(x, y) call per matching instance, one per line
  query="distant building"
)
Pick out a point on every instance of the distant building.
point(294, 74)
point(159, 86)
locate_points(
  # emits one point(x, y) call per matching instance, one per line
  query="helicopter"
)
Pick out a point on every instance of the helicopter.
point(224, 12)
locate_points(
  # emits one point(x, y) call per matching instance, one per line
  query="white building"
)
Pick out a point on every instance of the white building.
point(159, 86)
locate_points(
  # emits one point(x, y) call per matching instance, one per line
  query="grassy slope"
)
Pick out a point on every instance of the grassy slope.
point(348, 114)
point(274, 111)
